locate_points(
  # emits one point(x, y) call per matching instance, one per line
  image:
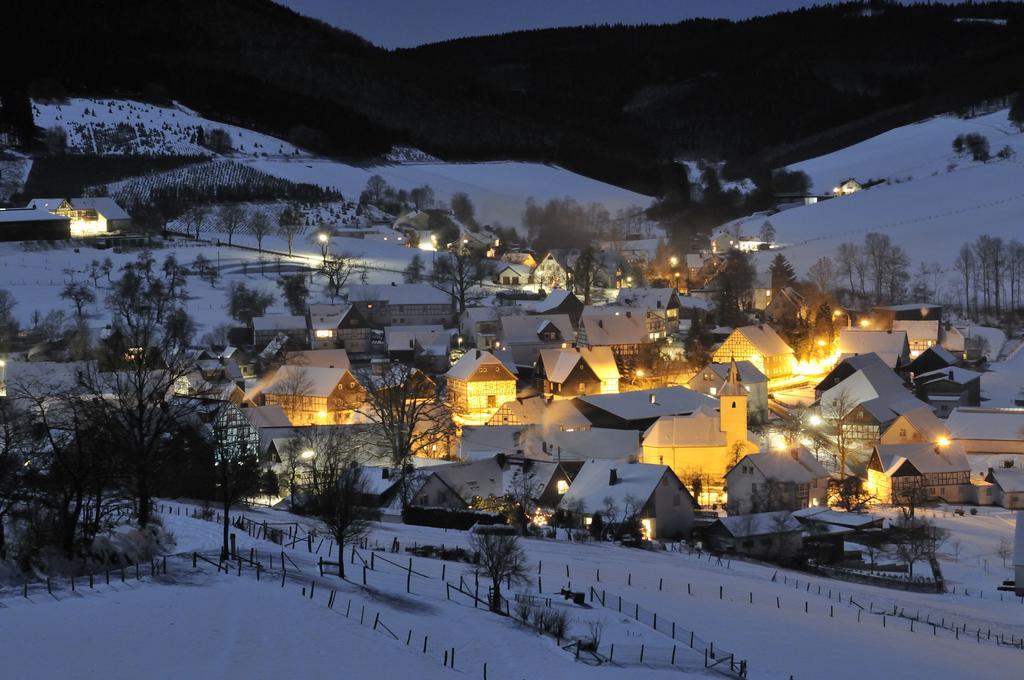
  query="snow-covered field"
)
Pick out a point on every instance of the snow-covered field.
point(499, 188)
point(910, 152)
point(212, 624)
point(124, 126)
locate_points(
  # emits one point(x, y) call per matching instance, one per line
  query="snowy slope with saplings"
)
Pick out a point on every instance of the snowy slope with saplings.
point(931, 214)
point(124, 126)
point(385, 621)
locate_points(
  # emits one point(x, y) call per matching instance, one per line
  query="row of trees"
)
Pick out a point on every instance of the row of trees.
point(991, 277)
point(232, 218)
point(876, 270)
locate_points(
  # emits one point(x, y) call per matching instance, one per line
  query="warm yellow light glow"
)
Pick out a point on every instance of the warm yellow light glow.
point(322, 415)
point(324, 333)
point(864, 323)
point(308, 454)
point(81, 227)
point(562, 486)
point(942, 441)
point(821, 343)
point(673, 260)
point(814, 420)
point(646, 529)
point(322, 238)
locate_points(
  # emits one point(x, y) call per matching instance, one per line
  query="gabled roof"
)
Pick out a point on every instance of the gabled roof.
point(104, 205)
point(824, 515)
point(1009, 480)
point(929, 425)
point(314, 381)
point(890, 346)
point(955, 374)
point(266, 416)
point(644, 404)
point(475, 360)
point(648, 298)
point(700, 428)
point(517, 269)
point(559, 363)
point(760, 524)
point(592, 486)
point(554, 300)
point(399, 294)
point(540, 410)
point(764, 339)
point(748, 372)
point(797, 465)
point(328, 317)
point(878, 389)
point(319, 358)
point(926, 457)
point(615, 329)
point(527, 329)
point(28, 215)
point(986, 424)
point(404, 338)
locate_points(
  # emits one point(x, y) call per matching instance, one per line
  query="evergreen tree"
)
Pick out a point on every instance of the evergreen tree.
point(734, 283)
point(414, 270)
point(782, 273)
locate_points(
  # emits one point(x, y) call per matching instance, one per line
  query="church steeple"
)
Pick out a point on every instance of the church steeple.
point(732, 387)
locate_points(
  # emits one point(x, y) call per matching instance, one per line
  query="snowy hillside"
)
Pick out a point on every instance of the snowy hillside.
point(123, 126)
point(499, 189)
point(911, 152)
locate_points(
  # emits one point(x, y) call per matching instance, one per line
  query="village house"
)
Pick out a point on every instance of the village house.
point(844, 369)
point(917, 425)
point(932, 359)
point(889, 346)
point(576, 372)
point(902, 473)
point(554, 269)
point(948, 388)
point(761, 346)
point(868, 402)
point(712, 378)
point(540, 410)
point(525, 258)
point(651, 494)
point(702, 445)
point(661, 303)
point(512, 275)
point(626, 334)
point(478, 384)
point(922, 322)
point(314, 395)
point(786, 306)
point(526, 335)
point(787, 479)
point(1008, 487)
point(480, 326)
point(266, 328)
point(402, 304)
point(560, 301)
point(426, 347)
point(770, 535)
point(988, 431)
point(847, 186)
point(338, 326)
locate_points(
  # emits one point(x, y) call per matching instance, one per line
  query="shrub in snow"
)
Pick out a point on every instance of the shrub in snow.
point(130, 545)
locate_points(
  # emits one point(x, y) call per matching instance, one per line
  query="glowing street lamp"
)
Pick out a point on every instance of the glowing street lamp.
point(325, 244)
point(308, 454)
point(942, 441)
point(814, 420)
point(673, 260)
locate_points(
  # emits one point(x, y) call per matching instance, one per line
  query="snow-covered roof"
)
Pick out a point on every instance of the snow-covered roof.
point(924, 420)
point(10, 215)
point(796, 465)
point(399, 294)
point(875, 387)
point(278, 322)
point(327, 317)
point(646, 298)
point(476, 360)
point(748, 372)
point(404, 338)
point(555, 298)
point(952, 373)
point(1010, 480)
point(910, 307)
point(615, 329)
point(541, 410)
point(482, 478)
point(890, 346)
point(918, 329)
point(528, 329)
point(654, 403)
point(554, 443)
point(837, 517)
point(559, 363)
point(266, 416)
point(764, 338)
point(517, 269)
point(926, 457)
point(592, 484)
point(319, 358)
point(104, 205)
point(986, 424)
point(700, 428)
point(760, 524)
point(484, 441)
point(312, 381)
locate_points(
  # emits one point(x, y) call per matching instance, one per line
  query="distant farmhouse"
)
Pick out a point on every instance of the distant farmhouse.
point(55, 219)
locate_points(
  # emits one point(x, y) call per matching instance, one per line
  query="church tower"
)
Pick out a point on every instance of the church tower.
point(732, 408)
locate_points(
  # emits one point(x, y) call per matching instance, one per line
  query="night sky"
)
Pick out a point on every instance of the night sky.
point(406, 23)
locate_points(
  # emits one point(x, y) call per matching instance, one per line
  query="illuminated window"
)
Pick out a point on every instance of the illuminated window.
point(324, 334)
point(562, 486)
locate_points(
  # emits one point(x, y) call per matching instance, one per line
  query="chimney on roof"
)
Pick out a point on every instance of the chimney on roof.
point(629, 314)
point(393, 283)
point(613, 477)
point(600, 323)
point(385, 473)
point(478, 354)
point(653, 398)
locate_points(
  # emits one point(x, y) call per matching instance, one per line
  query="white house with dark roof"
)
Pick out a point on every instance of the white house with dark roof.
point(896, 472)
point(577, 372)
point(651, 493)
point(787, 479)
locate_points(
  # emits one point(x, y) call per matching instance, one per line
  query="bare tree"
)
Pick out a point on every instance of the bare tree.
point(290, 224)
point(823, 275)
point(1004, 550)
point(406, 418)
point(834, 413)
point(80, 295)
point(523, 491)
point(460, 274)
point(501, 559)
point(585, 271)
point(913, 541)
point(236, 463)
point(230, 219)
point(194, 219)
point(259, 224)
point(338, 269)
